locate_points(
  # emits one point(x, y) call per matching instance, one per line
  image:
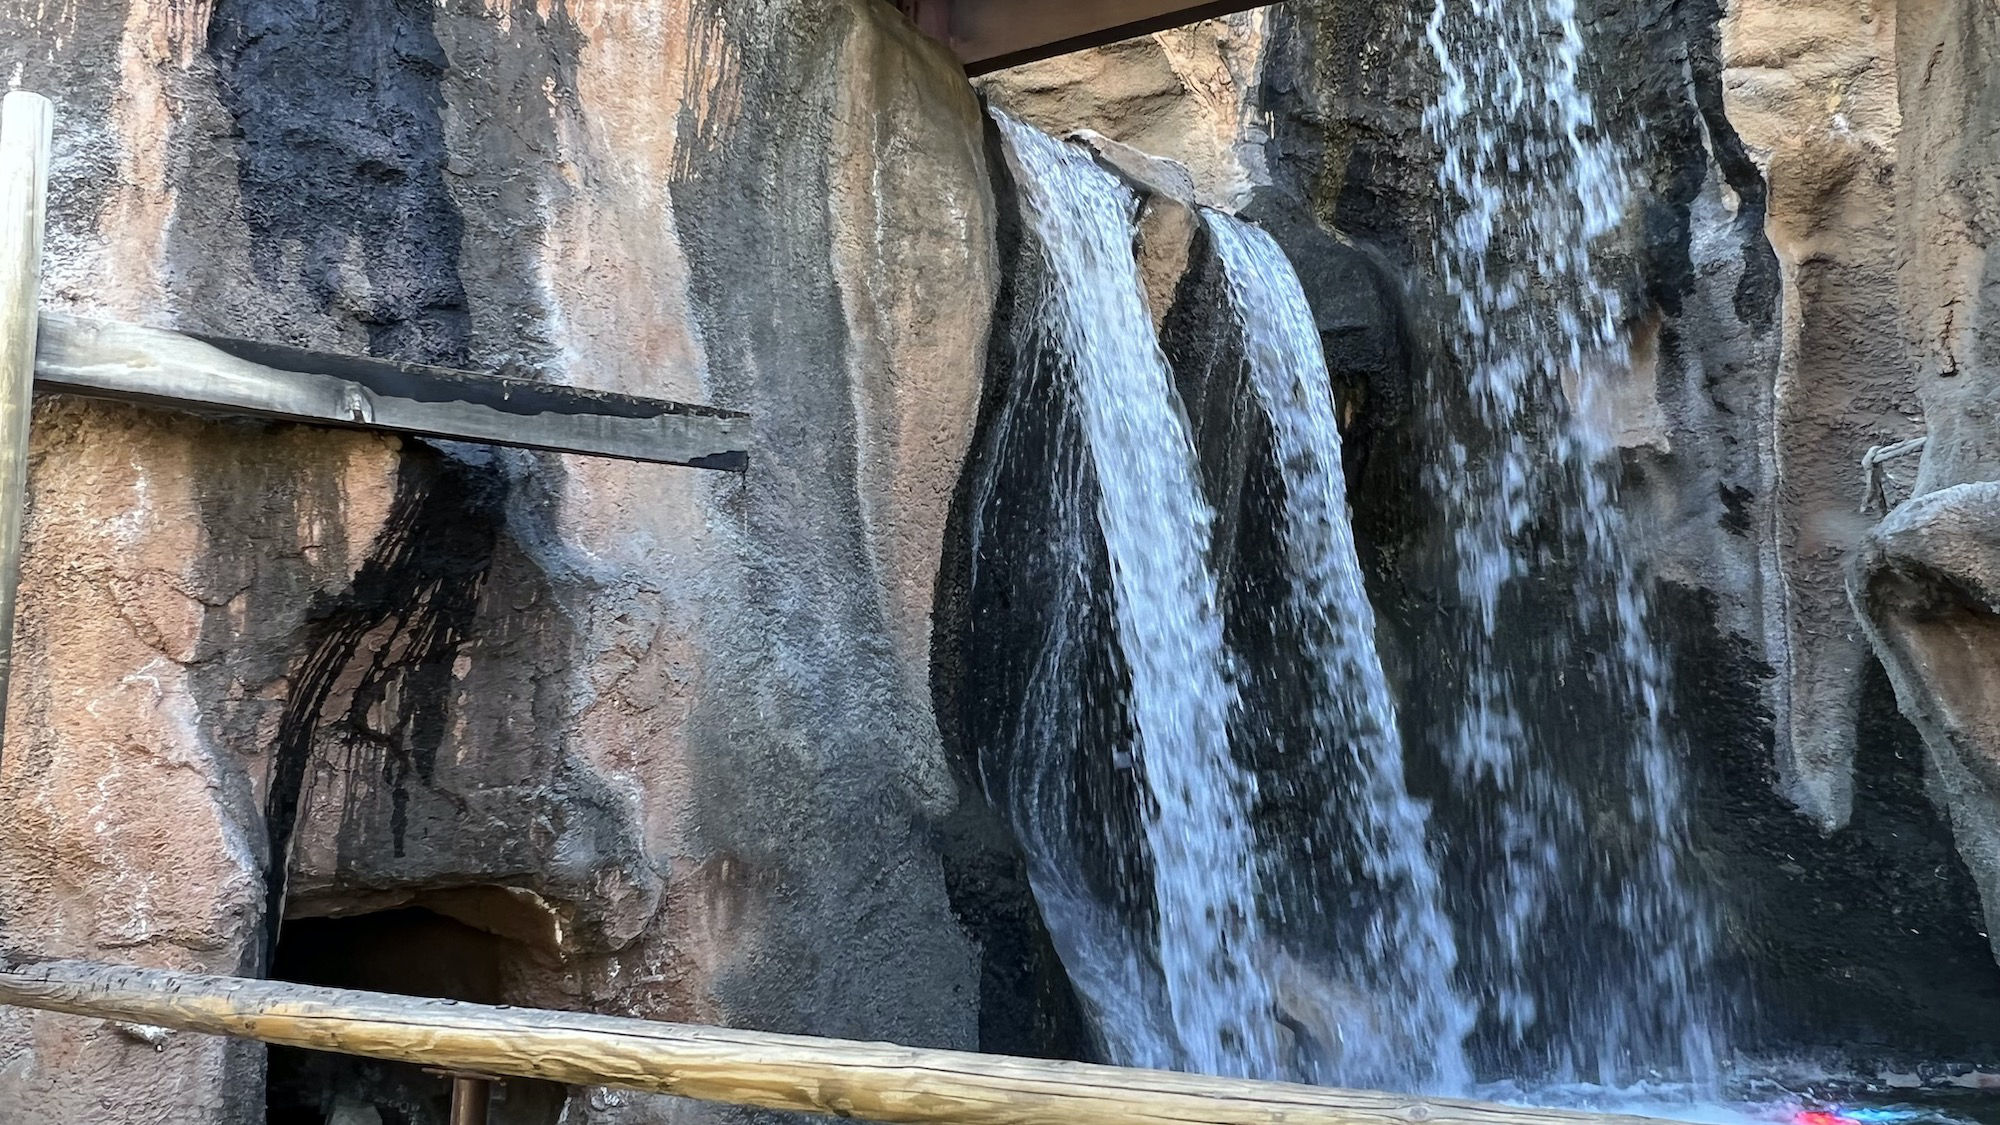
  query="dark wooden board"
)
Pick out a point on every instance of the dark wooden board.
point(214, 374)
point(990, 35)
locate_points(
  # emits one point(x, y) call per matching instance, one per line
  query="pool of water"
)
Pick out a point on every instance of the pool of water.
point(1969, 1099)
point(1852, 1102)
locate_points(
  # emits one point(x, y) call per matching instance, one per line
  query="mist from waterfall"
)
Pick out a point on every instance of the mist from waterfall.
point(1407, 1028)
point(1588, 939)
point(1155, 527)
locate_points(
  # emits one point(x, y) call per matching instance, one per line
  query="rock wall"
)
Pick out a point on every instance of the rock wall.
point(677, 744)
point(1812, 87)
point(665, 737)
point(1183, 94)
point(1923, 580)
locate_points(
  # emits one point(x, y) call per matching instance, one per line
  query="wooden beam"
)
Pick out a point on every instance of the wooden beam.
point(26, 123)
point(989, 35)
point(106, 359)
point(873, 1081)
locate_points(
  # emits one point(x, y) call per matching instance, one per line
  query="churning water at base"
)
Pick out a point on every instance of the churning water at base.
point(1408, 1031)
point(1155, 528)
point(1589, 939)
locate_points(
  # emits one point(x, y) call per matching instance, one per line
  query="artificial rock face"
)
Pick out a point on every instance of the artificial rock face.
point(1184, 94)
point(1812, 89)
point(649, 740)
point(1924, 581)
point(662, 738)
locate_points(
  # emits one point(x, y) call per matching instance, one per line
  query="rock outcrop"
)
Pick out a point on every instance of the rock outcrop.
point(1812, 90)
point(592, 734)
point(1924, 580)
point(663, 740)
point(1185, 94)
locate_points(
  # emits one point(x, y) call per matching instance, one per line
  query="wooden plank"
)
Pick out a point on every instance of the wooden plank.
point(107, 359)
point(873, 1081)
point(989, 35)
point(26, 123)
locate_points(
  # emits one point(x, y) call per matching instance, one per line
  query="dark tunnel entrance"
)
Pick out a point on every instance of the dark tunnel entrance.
point(414, 952)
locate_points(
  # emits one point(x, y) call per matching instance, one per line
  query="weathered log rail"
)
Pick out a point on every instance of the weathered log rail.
point(871, 1081)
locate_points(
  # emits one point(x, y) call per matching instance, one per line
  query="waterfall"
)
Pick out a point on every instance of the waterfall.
point(1404, 954)
point(1155, 528)
point(1589, 939)
point(1539, 922)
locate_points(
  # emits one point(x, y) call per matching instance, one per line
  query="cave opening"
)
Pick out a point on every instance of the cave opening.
point(409, 950)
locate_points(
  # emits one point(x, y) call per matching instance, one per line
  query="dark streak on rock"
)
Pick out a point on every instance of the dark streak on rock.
point(1736, 508)
point(338, 109)
point(1757, 289)
point(1867, 941)
point(414, 599)
point(341, 151)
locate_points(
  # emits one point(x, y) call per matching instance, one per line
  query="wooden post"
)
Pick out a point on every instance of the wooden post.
point(26, 126)
point(872, 1081)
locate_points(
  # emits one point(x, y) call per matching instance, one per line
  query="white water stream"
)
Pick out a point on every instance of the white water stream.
point(1409, 1036)
point(1596, 939)
point(1155, 526)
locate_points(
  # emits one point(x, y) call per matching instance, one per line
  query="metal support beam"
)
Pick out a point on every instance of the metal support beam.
point(989, 35)
point(471, 1095)
point(26, 122)
point(219, 375)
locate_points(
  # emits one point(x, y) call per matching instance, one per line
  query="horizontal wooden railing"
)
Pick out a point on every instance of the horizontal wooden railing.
point(872, 1081)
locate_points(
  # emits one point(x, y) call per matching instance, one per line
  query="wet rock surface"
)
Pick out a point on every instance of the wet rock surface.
point(1921, 581)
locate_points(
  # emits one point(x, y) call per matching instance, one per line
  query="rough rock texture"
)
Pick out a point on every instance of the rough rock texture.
point(1760, 265)
point(1760, 295)
point(1928, 582)
point(1924, 580)
point(664, 738)
point(654, 741)
point(1948, 210)
point(1812, 89)
point(1184, 94)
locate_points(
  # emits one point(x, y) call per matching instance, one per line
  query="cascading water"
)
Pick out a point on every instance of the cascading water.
point(1562, 923)
point(1155, 528)
point(1207, 949)
point(1588, 939)
point(1402, 956)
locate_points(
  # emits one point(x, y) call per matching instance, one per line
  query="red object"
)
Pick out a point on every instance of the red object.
point(1820, 1117)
